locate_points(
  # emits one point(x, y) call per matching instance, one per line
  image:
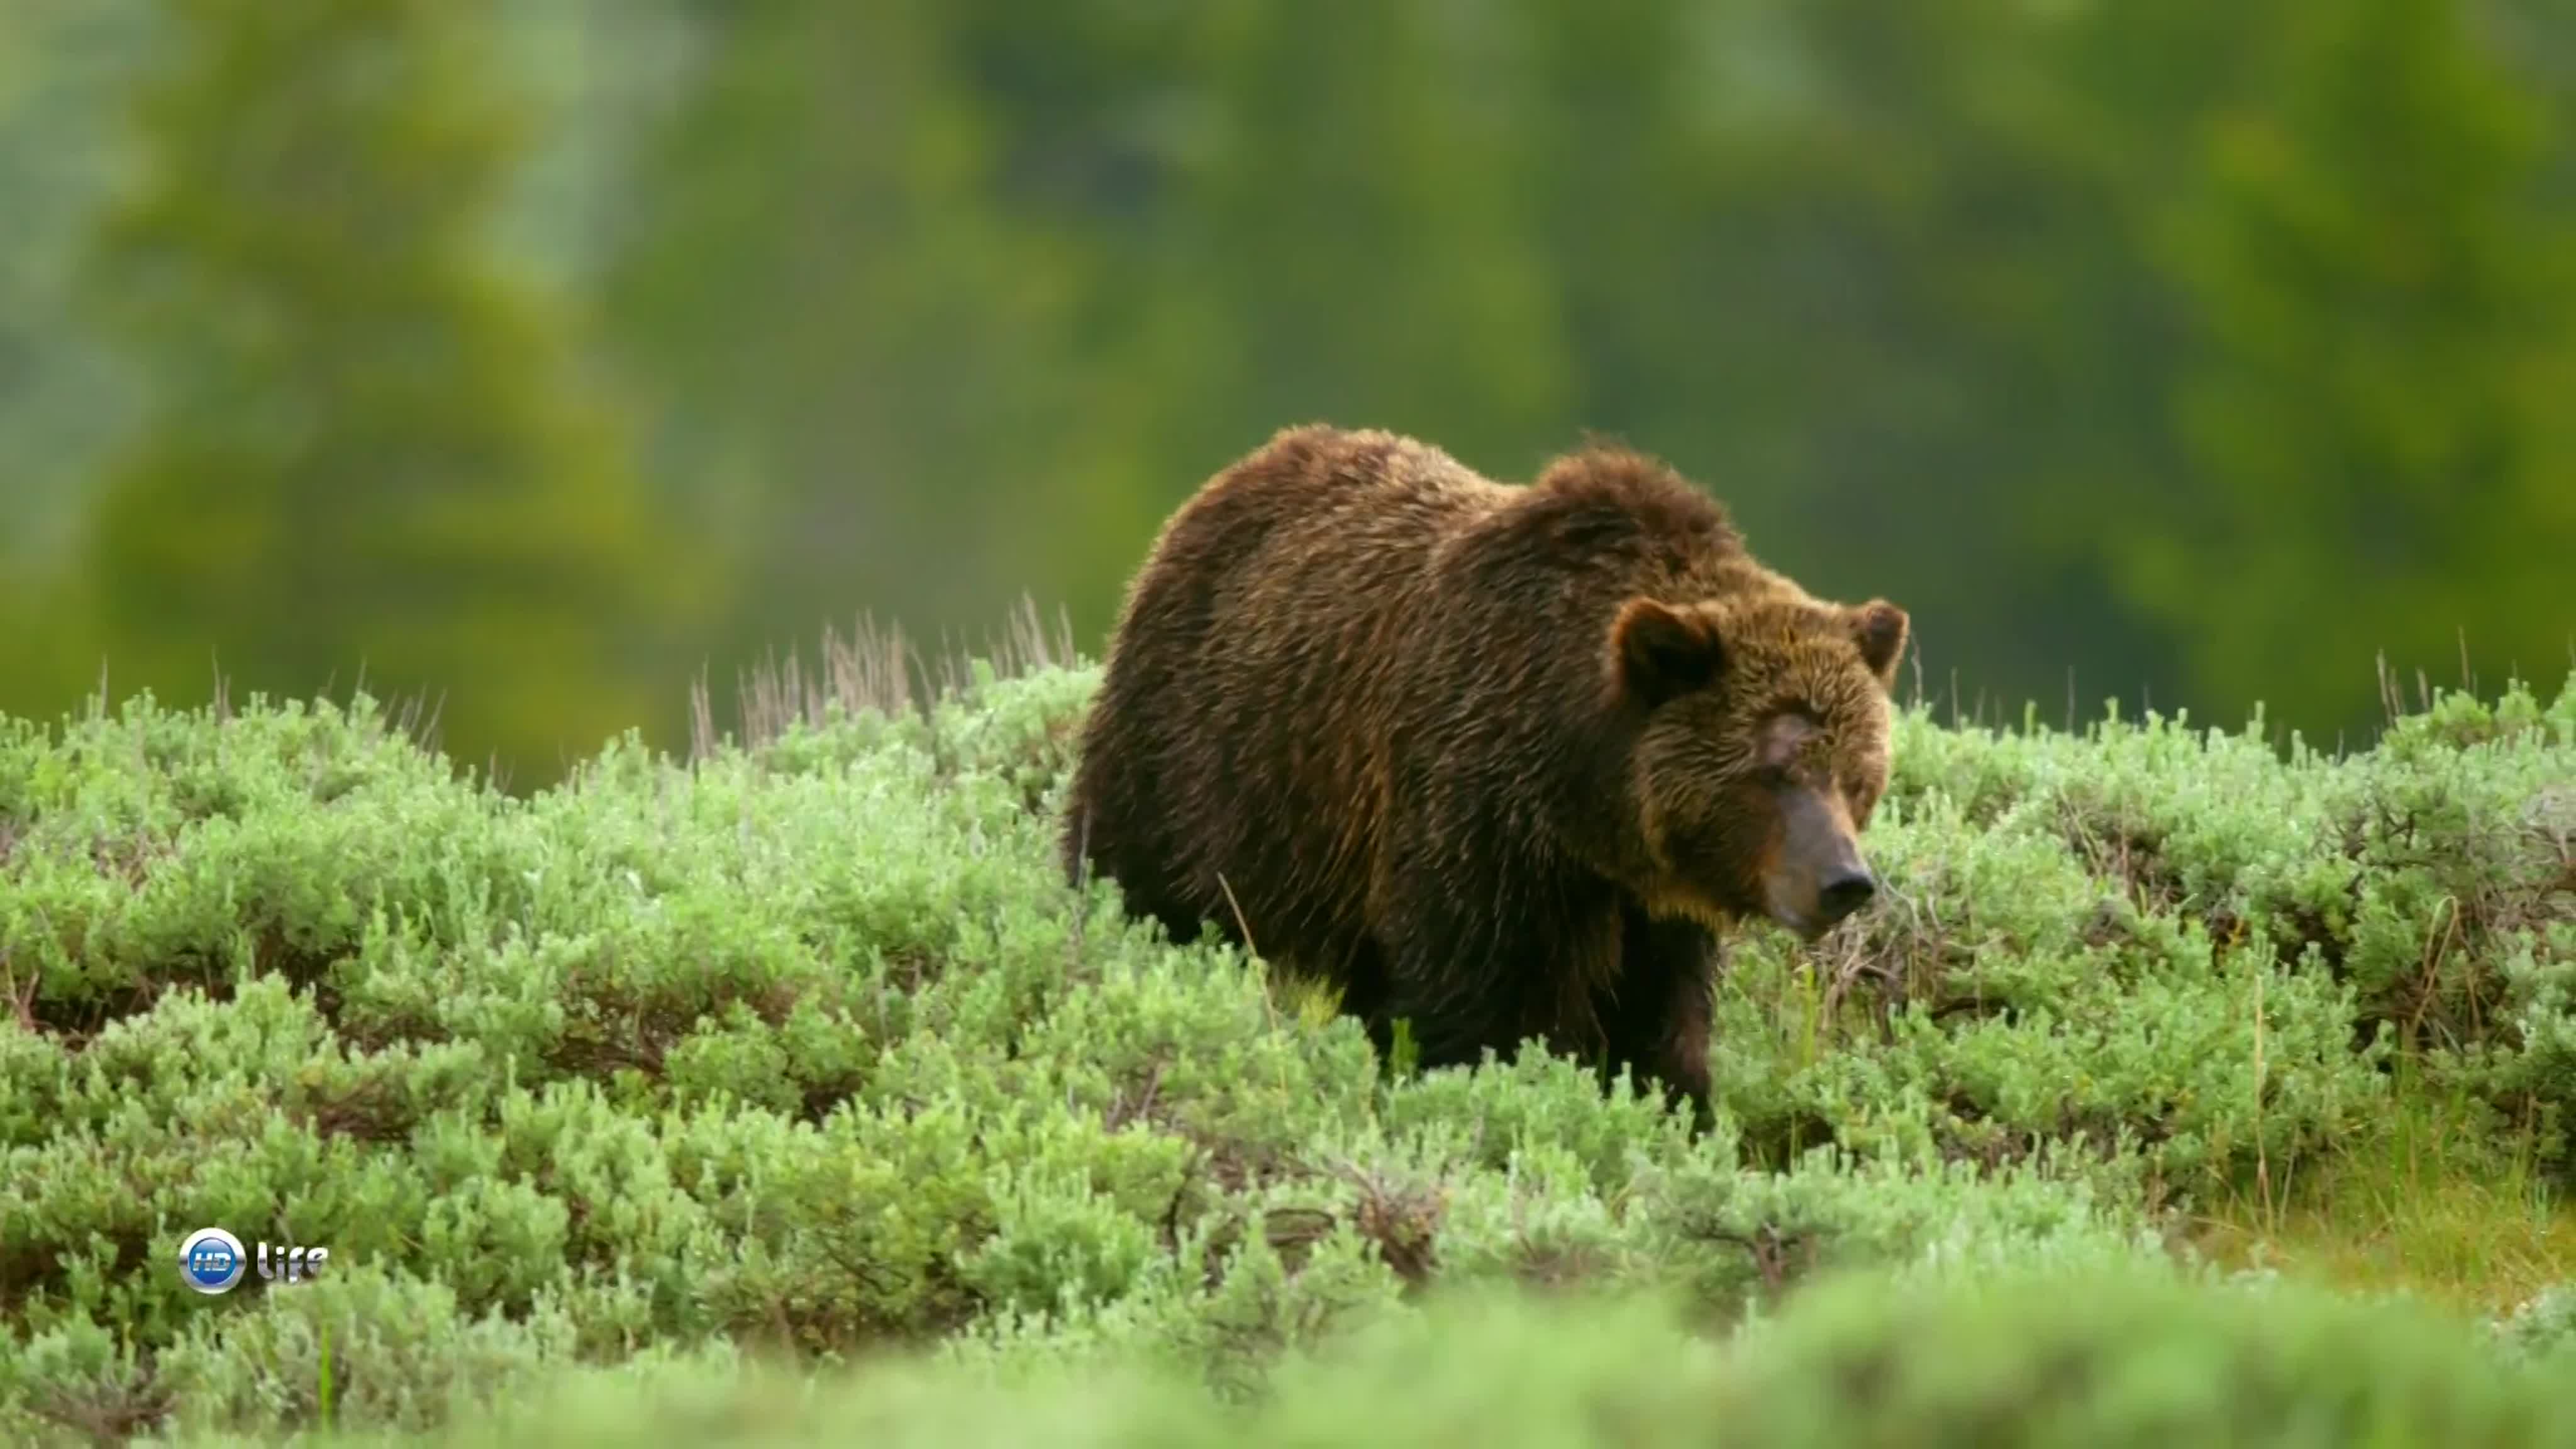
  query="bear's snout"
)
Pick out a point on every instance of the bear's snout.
point(1816, 878)
point(1846, 894)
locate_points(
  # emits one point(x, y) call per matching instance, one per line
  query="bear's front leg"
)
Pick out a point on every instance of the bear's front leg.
point(1472, 971)
point(1660, 1018)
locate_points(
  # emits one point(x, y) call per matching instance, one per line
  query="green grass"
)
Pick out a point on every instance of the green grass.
point(2107, 1359)
point(2437, 1202)
point(798, 1053)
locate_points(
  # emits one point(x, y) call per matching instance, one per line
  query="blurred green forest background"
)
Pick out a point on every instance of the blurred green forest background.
point(537, 356)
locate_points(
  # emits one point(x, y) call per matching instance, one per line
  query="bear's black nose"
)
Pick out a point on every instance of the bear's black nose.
point(1846, 894)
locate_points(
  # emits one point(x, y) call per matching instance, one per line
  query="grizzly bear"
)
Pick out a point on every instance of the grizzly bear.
point(1497, 761)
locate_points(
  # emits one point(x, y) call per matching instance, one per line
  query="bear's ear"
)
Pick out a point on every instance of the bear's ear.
point(1879, 628)
point(1658, 652)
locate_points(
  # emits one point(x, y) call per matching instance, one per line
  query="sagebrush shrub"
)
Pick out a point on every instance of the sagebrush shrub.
point(2107, 1357)
point(804, 1048)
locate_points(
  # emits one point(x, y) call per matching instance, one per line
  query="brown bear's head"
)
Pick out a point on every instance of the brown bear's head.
point(1761, 752)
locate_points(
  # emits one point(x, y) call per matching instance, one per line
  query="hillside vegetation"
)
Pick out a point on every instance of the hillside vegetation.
point(626, 1106)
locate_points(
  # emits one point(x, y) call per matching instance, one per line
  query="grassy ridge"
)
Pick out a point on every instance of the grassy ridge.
point(2112, 1357)
point(801, 1050)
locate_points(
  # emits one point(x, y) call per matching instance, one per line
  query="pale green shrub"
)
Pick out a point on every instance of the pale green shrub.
point(805, 1048)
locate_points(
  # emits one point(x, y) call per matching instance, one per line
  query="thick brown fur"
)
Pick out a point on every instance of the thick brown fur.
point(1496, 760)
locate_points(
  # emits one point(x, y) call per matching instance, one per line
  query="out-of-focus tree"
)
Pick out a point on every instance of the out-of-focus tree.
point(367, 446)
point(595, 78)
point(2376, 411)
point(1099, 115)
point(850, 365)
point(2103, 335)
point(1351, 246)
point(1294, 222)
point(1860, 268)
point(62, 64)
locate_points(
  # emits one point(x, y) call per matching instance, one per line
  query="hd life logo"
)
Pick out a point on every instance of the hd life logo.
point(212, 1261)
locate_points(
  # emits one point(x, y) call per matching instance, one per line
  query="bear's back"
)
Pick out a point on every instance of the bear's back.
point(1234, 763)
point(1349, 490)
point(1324, 599)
